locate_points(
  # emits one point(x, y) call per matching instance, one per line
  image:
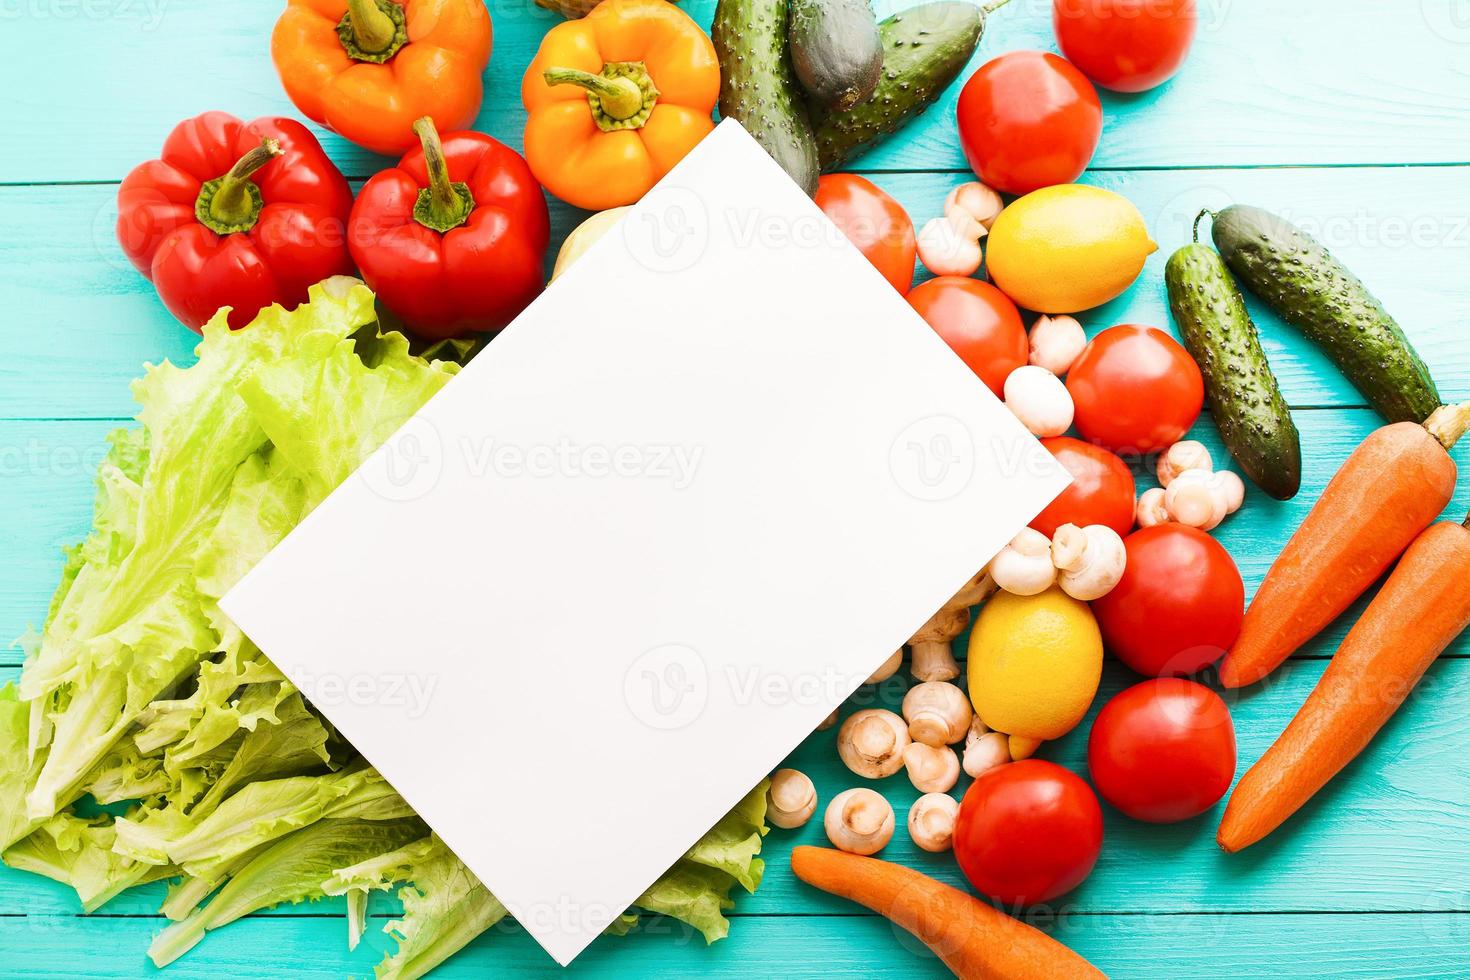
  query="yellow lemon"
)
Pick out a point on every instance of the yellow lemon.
point(1067, 248)
point(1035, 662)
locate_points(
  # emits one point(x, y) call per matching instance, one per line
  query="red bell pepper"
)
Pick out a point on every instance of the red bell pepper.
point(453, 238)
point(235, 214)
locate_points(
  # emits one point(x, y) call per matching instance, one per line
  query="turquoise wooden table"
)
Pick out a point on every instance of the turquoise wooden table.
point(1352, 117)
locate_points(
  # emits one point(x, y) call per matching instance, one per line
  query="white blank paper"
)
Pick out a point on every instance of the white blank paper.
point(616, 570)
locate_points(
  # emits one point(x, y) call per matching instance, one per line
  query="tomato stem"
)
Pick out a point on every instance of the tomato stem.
point(232, 203)
point(444, 204)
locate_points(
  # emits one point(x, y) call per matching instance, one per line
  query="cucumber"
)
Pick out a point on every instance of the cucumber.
point(1309, 289)
point(924, 48)
point(1254, 420)
point(836, 51)
point(758, 87)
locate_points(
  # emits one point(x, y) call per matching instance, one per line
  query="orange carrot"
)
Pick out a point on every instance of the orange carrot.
point(971, 937)
point(1387, 491)
point(1419, 611)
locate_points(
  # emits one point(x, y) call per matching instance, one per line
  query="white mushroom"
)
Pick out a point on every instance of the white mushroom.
point(931, 821)
point(946, 249)
point(1089, 560)
point(986, 751)
point(888, 669)
point(1040, 400)
point(871, 743)
point(977, 200)
point(1056, 342)
point(1191, 501)
point(791, 799)
point(938, 713)
point(1024, 567)
point(828, 721)
point(931, 769)
point(1182, 456)
point(859, 821)
point(1151, 509)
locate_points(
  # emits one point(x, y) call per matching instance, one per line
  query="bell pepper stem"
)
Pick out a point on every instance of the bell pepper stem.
point(373, 30)
point(622, 96)
point(371, 27)
point(231, 203)
point(444, 204)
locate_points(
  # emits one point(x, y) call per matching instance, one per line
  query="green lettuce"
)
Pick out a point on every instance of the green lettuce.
point(444, 907)
point(696, 890)
point(293, 869)
point(139, 692)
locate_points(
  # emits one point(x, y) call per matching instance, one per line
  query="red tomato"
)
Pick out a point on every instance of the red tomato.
point(1028, 832)
point(1028, 120)
point(1137, 391)
point(1163, 751)
point(1125, 45)
point(978, 322)
point(1101, 491)
point(874, 222)
point(1178, 606)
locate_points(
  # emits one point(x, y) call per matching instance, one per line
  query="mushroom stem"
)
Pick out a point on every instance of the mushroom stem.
point(871, 743)
point(931, 770)
point(791, 799)
point(931, 821)
point(938, 713)
point(859, 821)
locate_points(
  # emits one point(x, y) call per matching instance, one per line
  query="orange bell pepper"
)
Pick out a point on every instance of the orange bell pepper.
point(368, 68)
point(615, 99)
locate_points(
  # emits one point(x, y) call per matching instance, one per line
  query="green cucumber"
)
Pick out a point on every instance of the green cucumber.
point(924, 49)
point(758, 87)
point(1309, 289)
point(836, 50)
point(1254, 421)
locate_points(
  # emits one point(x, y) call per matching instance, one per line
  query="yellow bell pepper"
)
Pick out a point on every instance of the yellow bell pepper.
point(615, 99)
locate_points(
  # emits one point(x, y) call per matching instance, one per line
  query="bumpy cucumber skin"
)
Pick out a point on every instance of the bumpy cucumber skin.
point(1309, 289)
point(924, 49)
point(1254, 420)
point(836, 50)
point(758, 87)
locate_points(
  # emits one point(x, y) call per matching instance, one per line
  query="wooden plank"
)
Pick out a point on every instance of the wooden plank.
point(47, 471)
point(1391, 833)
point(80, 321)
point(1348, 947)
point(1254, 92)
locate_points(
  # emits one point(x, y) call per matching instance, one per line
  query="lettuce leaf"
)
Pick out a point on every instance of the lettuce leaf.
point(444, 908)
point(696, 890)
point(294, 868)
point(77, 851)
